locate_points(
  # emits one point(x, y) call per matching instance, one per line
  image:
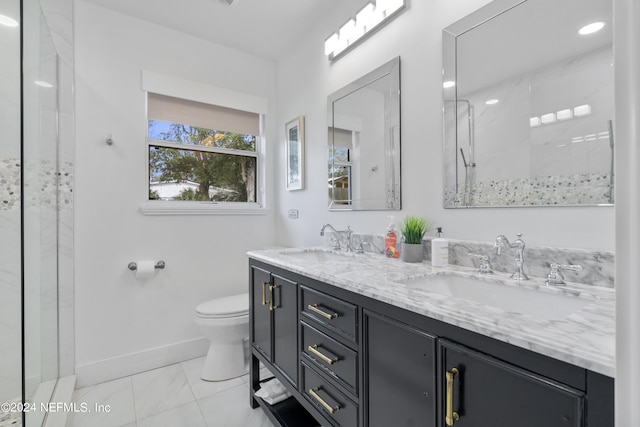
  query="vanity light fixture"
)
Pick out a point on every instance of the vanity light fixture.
point(582, 110)
point(548, 118)
point(9, 22)
point(564, 114)
point(594, 27)
point(370, 18)
point(492, 102)
point(448, 84)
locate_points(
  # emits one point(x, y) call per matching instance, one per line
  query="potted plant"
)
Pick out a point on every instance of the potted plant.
point(413, 229)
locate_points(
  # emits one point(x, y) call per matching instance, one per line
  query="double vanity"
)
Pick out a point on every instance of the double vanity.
point(359, 339)
point(364, 340)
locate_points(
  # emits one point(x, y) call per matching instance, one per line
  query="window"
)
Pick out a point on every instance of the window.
point(201, 152)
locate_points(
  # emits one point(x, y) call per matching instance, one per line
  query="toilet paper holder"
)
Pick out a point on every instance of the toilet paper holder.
point(133, 266)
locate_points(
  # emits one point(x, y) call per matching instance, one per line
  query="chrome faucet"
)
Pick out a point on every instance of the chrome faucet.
point(518, 246)
point(327, 226)
point(349, 232)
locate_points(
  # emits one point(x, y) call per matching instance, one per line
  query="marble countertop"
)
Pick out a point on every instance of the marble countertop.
point(585, 338)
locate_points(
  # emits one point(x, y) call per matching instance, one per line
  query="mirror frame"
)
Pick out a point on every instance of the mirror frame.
point(392, 135)
point(449, 62)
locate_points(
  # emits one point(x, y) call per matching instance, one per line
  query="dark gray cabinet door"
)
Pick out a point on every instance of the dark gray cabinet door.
point(260, 313)
point(485, 392)
point(400, 371)
point(285, 326)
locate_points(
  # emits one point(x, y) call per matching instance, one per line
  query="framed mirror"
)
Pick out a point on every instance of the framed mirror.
point(364, 142)
point(528, 105)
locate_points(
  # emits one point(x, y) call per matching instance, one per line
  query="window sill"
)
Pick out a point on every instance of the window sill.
point(201, 208)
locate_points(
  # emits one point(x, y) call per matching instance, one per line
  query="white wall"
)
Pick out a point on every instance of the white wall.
point(306, 77)
point(124, 325)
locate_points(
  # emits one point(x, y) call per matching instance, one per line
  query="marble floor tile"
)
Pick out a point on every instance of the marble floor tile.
point(200, 387)
point(188, 415)
point(159, 390)
point(172, 396)
point(230, 408)
point(117, 394)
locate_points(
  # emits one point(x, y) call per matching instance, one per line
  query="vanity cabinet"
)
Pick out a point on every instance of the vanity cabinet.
point(399, 373)
point(480, 390)
point(353, 361)
point(274, 329)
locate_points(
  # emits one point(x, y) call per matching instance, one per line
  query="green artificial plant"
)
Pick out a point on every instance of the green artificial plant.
point(414, 228)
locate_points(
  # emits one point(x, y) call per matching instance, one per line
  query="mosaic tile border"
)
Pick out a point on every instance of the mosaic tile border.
point(574, 189)
point(44, 186)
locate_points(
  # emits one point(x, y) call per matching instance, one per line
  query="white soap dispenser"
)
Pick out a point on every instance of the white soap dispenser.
point(439, 250)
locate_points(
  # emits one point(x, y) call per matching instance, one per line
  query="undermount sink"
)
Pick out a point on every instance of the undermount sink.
point(514, 299)
point(319, 256)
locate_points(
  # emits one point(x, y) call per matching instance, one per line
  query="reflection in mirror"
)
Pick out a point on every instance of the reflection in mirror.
point(528, 105)
point(364, 142)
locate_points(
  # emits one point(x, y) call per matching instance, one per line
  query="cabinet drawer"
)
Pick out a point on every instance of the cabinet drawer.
point(337, 315)
point(331, 357)
point(331, 402)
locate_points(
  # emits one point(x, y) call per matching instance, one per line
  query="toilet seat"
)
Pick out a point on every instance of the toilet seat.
point(233, 306)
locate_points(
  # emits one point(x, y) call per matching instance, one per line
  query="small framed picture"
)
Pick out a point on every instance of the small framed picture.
point(294, 131)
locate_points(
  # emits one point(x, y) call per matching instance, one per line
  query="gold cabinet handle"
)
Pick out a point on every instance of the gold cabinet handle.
point(328, 316)
point(330, 409)
point(451, 416)
point(264, 293)
point(314, 350)
point(271, 305)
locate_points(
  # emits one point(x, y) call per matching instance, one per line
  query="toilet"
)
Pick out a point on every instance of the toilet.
point(225, 322)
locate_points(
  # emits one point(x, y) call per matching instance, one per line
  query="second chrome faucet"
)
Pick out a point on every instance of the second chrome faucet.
point(518, 246)
point(337, 244)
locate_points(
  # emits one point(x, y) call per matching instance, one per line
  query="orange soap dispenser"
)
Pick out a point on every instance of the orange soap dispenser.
point(391, 249)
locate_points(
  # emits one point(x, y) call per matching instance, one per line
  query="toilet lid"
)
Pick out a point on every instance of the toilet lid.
point(236, 305)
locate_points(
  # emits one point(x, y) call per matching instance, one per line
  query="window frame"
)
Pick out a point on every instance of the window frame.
point(194, 91)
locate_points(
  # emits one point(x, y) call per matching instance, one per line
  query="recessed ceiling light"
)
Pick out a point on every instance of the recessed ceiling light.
point(448, 84)
point(9, 22)
point(492, 102)
point(591, 28)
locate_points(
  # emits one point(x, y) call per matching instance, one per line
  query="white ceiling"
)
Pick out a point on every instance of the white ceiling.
point(267, 28)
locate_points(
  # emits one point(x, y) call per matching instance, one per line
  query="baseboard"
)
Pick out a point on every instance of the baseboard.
point(134, 363)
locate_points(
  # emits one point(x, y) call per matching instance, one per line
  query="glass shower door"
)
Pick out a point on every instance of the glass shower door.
point(40, 209)
point(10, 222)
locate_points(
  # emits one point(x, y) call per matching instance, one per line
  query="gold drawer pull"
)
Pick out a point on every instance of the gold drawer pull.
point(314, 349)
point(328, 316)
point(451, 416)
point(330, 409)
point(264, 292)
point(271, 305)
